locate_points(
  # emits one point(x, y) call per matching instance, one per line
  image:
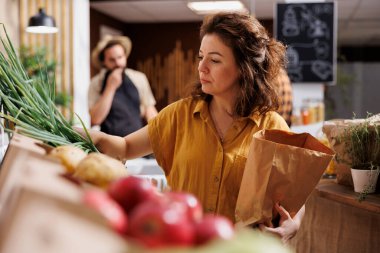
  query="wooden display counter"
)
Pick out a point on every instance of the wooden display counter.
point(345, 195)
point(335, 221)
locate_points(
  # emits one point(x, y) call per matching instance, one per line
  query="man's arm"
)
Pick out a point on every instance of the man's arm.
point(100, 110)
point(147, 101)
point(150, 112)
point(102, 107)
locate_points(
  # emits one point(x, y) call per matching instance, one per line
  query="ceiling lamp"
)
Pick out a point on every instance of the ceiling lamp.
point(41, 23)
point(208, 7)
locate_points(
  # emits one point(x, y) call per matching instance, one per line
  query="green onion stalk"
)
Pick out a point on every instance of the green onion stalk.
point(29, 104)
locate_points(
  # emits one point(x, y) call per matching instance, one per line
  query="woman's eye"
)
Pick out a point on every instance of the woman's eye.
point(215, 61)
point(200, 57)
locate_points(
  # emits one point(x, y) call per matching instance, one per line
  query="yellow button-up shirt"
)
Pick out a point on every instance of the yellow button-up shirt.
point(187, 147)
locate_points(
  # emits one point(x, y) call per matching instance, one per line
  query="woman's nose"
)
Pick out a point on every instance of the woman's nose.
point(202, 66)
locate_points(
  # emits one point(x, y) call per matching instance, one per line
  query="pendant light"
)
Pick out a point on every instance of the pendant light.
point(41, 23)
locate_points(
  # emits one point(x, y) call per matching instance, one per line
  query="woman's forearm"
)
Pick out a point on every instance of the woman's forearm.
point(132, 146)
point(111, 145)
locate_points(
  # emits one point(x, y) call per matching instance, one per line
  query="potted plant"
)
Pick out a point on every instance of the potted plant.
point(362, 153)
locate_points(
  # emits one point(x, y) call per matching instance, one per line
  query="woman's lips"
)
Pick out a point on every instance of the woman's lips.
point(204, 81)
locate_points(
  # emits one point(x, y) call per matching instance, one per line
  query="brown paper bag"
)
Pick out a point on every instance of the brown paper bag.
point(281, 167)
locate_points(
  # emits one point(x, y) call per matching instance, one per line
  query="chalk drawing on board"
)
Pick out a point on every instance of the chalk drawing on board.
point(321, 48)
point(314, 26)
point(308, 30)
point(322, 69)
point(290, 26)
point(294, 68)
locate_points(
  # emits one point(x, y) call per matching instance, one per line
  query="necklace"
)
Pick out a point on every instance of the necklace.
point(217, 127)
point(218, 130)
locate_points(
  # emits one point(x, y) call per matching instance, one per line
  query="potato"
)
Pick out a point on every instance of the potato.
point(100, 169)
point(69, 155)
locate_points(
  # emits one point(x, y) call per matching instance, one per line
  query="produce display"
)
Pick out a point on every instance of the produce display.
point(106, 206)
point(129, 213)
point(136, 209)
point(29, 103)
point(152, 221)
point(142, 216)
point(99, 169)
point(95, 168)
point(159, 220)
point(69, 155)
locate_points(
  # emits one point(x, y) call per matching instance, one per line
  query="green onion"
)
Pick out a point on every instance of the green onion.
point(29, 104)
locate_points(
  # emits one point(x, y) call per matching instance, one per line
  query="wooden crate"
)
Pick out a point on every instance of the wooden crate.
point(44, 216)
point(24, 159)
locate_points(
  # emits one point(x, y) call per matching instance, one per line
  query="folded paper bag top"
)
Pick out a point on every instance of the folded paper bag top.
point(281, 167)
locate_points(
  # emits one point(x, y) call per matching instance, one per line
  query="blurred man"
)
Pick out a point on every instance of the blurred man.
point(119, 97)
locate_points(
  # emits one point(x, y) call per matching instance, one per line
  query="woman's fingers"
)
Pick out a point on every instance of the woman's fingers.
point(282, 211)
point(267, 229)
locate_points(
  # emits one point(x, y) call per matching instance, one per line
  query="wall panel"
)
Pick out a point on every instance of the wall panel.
point(59, 46)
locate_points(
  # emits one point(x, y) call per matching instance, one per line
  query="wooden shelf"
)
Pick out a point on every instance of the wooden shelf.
point(329, 189)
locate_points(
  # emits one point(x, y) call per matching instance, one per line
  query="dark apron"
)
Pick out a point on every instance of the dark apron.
point(124, 116)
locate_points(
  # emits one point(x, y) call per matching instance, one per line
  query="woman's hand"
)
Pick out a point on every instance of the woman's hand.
point(95, 135)
point(288, 226)
point(134, 145)
point(111, 145)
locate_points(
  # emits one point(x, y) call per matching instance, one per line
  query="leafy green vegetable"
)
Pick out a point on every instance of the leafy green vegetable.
point(29, 103)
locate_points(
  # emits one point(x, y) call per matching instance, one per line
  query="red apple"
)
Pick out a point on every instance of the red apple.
point(156, 224)
point(131, 191)
point(192, 204)
point(213, 227)
point(106, 206)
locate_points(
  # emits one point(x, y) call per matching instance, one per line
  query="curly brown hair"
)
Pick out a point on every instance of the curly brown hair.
point(258, 57)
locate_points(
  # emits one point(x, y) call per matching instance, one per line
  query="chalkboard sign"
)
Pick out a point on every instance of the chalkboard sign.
point(309, 31)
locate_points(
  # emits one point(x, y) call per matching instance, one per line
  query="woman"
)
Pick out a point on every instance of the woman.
point(202, 141)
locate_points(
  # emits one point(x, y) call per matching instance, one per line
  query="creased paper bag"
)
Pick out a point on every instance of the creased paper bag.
point(281, 167)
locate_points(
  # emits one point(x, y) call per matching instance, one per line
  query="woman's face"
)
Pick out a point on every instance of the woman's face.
point(218, 71)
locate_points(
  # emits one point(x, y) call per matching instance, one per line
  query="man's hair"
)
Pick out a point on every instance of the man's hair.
point(110, 44)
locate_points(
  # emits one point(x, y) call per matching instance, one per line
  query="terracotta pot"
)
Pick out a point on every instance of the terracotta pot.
point(365, 180)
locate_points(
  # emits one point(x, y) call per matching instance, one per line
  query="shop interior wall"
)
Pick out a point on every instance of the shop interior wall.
point(166, 52)
point(9, 16)
point(96, 20)
point(357, 88)
point(358, 67)
point(150, 41)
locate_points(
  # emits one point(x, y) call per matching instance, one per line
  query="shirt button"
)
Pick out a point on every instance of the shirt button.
point(216, 179)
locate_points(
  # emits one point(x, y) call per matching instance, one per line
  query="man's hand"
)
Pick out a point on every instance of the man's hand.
point(287, 228)
point(102, 107)
point(115, 78)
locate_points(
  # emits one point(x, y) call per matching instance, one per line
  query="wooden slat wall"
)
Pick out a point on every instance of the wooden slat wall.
point(59, 45)
point(171, 76)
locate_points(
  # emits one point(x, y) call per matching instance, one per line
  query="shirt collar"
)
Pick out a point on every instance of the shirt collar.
point(201, 108)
